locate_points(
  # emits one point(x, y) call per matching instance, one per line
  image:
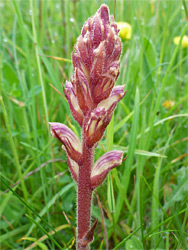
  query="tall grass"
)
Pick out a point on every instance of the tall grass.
point(144, 205)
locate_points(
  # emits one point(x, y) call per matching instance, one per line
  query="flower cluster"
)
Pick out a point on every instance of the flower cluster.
point(92, 97)
point(91, 93)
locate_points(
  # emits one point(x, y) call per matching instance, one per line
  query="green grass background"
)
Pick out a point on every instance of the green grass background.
point(143, 203)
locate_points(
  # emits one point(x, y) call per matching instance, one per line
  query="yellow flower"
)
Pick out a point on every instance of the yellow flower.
point(168, 104)
point(125, 30)
point(184, 42)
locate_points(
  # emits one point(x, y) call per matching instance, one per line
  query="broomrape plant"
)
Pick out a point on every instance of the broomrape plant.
point(92, 98)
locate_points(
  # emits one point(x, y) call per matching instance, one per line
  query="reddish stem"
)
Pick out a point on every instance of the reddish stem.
point(84, 195)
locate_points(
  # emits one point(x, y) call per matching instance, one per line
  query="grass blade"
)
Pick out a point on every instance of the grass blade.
point(130, 157)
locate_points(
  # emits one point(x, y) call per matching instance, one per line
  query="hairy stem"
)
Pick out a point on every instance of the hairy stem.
point(84, 195)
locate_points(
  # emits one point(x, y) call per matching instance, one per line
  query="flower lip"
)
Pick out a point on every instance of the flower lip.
point(103, 165)
point(95, 125)
point(70, 141)
point(116, 95)
point(100, 117)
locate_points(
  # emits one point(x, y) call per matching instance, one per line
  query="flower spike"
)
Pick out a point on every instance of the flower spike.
point(97, 54)
point(92, 97)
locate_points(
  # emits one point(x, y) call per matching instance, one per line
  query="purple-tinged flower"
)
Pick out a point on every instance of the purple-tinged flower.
point(92, 98)
point(96, 60)
point(73, 102)
point(100, 117)
point(83, 91)
point(103, 165)
point(110, 103)
point(70, 141)
point(95, 125)
point(106, 83)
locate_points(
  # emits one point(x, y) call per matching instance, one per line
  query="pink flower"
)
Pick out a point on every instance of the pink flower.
point(96, 64)
point(91, 93)
point(103, 165)
point(92, 98)
point(100, 117)
point(70, 141)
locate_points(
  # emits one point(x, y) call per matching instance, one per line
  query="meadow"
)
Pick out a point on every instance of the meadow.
point(143, 202)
